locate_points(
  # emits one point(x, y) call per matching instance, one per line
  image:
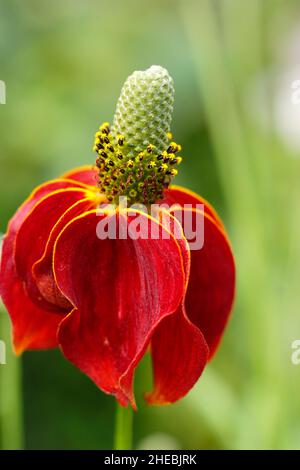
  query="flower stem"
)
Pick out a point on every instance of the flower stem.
point(123, 428)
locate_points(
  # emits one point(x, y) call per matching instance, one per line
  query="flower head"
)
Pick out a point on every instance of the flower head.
point(106, 300)
point(137, 158)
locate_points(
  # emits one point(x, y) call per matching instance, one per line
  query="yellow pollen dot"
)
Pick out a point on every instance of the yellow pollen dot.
point(170, 135)
point(104, 128)
point(121, 139)
point(174, 172)
point(174, 146)
point(132, 193)
point(152, 164)
point(179, 160)
point(130, 163)
point(110, 148)
point(164, 167)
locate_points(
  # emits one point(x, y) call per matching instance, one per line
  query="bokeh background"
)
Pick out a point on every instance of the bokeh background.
point(233, 63)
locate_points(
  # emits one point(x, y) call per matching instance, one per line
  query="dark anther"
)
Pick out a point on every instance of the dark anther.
point(111, 163)
point(173, 161)
point(106, 168)
point(160, 157)
point(173, 148)
point(119, 155)
point(110, 148)
point(103, 154)
point(99, 146)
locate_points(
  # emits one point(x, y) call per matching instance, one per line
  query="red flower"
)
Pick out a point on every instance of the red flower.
point(104, 302)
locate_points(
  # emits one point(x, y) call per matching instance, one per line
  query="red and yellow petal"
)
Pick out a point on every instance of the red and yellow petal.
point(211, 286)
point(122, 289)
point(33, 328)
point(36, 195)
point(86, 174)
point(37, 226)
point(42, 269)
point(183, 196)
point(178, 348)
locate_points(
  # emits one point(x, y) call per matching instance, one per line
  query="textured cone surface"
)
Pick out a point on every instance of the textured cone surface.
point(137, 157)
point(144, 110)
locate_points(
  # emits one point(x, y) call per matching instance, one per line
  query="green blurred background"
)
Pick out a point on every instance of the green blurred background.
point(233, 63)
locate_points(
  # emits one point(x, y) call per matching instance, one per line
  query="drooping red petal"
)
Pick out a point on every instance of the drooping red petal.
point(211, 286)
point(122, 289)
point(182, 196)
point(37, 194)
point(179, 355)
point(33, 328)
point(178, 348)
point(42, 269)
point(86, 174)
point(37, 226)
